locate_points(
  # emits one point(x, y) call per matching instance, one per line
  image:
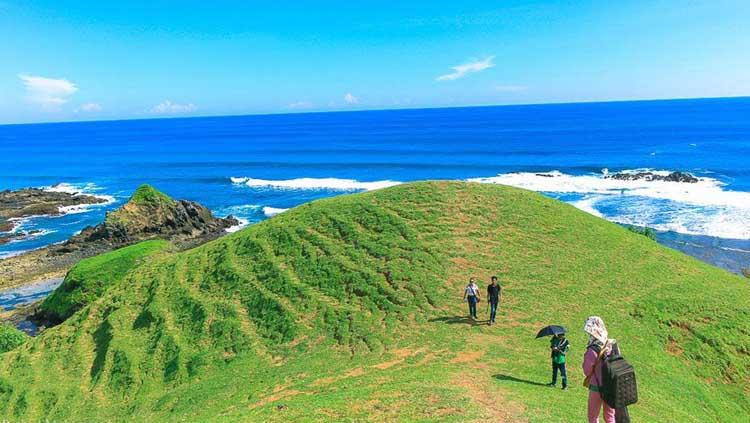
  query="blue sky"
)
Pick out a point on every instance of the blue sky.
point(76, 60)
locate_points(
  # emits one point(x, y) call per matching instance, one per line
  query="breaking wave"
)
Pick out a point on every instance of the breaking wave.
point(701, 208)
point(334, 184)
point(272, 211)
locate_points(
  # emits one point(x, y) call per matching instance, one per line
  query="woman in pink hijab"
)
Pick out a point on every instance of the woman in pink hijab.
point(599, 346)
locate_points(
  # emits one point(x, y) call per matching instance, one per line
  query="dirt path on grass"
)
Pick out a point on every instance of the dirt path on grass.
point(478, 381)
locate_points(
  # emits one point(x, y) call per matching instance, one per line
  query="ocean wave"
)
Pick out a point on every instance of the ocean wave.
point(333, 184)
point(588, 205)
point(701, 208)
point(272, 211)
point(24, 235)
point(242, 223)
point(706, 192)
point(88, 188)
point(704, 207)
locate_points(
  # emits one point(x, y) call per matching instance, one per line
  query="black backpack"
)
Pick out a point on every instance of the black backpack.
point(619, 388)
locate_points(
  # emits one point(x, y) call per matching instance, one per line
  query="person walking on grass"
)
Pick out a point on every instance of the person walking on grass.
point(493, 298)
point(471, 295)
point(599, 347)
point(559, 346)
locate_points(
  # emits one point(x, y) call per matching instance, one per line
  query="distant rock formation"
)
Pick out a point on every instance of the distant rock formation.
point(149, 214)
point(651, 176)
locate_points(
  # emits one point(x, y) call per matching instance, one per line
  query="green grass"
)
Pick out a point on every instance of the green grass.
point(348, 309)
point(10, 337)
point(90, 278)
point(147, 194)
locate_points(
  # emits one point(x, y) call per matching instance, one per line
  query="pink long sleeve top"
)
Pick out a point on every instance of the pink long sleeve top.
point(590, 363)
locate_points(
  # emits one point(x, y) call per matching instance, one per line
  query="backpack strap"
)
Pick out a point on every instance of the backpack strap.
point(599, 358)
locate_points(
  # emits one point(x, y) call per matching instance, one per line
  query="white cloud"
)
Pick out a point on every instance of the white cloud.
point(351, 99)
point(301, 105)
point(49, 93)
point(509, 88)
point(471, 67)
point(166, 107)
point(89, 107)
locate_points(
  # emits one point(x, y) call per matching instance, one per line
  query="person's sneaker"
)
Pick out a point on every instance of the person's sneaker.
point(551, 385)
point(565, 388)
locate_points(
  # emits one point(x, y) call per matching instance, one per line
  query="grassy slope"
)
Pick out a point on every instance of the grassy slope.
point(88, 279)
point(348, 308)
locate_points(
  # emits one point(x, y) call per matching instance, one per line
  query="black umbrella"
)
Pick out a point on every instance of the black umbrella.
point(551, 330)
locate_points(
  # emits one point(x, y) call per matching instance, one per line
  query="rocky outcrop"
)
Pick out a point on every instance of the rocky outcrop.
point(682, 177)
point(150, 214)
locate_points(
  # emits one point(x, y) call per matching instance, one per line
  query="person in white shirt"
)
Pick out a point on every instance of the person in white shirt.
point(471, 295)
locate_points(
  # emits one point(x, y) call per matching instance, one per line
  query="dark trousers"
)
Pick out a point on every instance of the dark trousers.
point(493, 310)
point(472, 306)
point(563, 373)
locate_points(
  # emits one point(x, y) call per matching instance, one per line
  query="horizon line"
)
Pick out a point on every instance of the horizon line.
point(376, 109)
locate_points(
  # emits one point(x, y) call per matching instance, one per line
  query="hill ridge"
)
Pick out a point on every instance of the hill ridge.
point(224, 331)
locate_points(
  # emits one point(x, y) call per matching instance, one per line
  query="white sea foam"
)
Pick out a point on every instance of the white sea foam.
point(76, 209)
point(21, 235)
point(88, 188)
point(80, 189)
point(272, 211)
point(242, 223)
point(334, 184)
point(705, 192)
point(588, 205)
point(701, 208)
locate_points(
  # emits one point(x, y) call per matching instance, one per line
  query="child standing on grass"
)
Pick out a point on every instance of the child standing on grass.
point(559, 346)
point(471, 295)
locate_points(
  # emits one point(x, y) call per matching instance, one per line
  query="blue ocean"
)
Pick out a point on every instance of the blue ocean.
point(254, 167)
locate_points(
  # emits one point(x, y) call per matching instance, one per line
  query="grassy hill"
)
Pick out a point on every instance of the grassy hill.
point(91, 277)
point(349, 309)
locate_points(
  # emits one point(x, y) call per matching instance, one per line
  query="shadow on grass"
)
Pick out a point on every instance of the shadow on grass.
point(515, 379)
point(457, 320)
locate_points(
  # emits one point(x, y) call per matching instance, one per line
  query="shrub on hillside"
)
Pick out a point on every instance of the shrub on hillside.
point(10, 337)
point(647, 232)
point(746, 272)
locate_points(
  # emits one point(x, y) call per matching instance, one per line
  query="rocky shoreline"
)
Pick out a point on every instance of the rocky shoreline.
point(149, 214)
point(27, 202)
point(682, 177)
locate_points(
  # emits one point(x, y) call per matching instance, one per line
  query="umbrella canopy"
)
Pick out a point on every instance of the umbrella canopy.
point(551, 330)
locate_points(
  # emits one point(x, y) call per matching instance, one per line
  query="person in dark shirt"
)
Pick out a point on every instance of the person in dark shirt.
point(493, 298)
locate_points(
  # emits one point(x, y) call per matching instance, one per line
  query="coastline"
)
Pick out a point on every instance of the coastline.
point(33, 266)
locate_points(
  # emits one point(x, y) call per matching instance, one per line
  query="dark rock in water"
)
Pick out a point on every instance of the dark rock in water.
point(545, 175)
point(682, 177)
